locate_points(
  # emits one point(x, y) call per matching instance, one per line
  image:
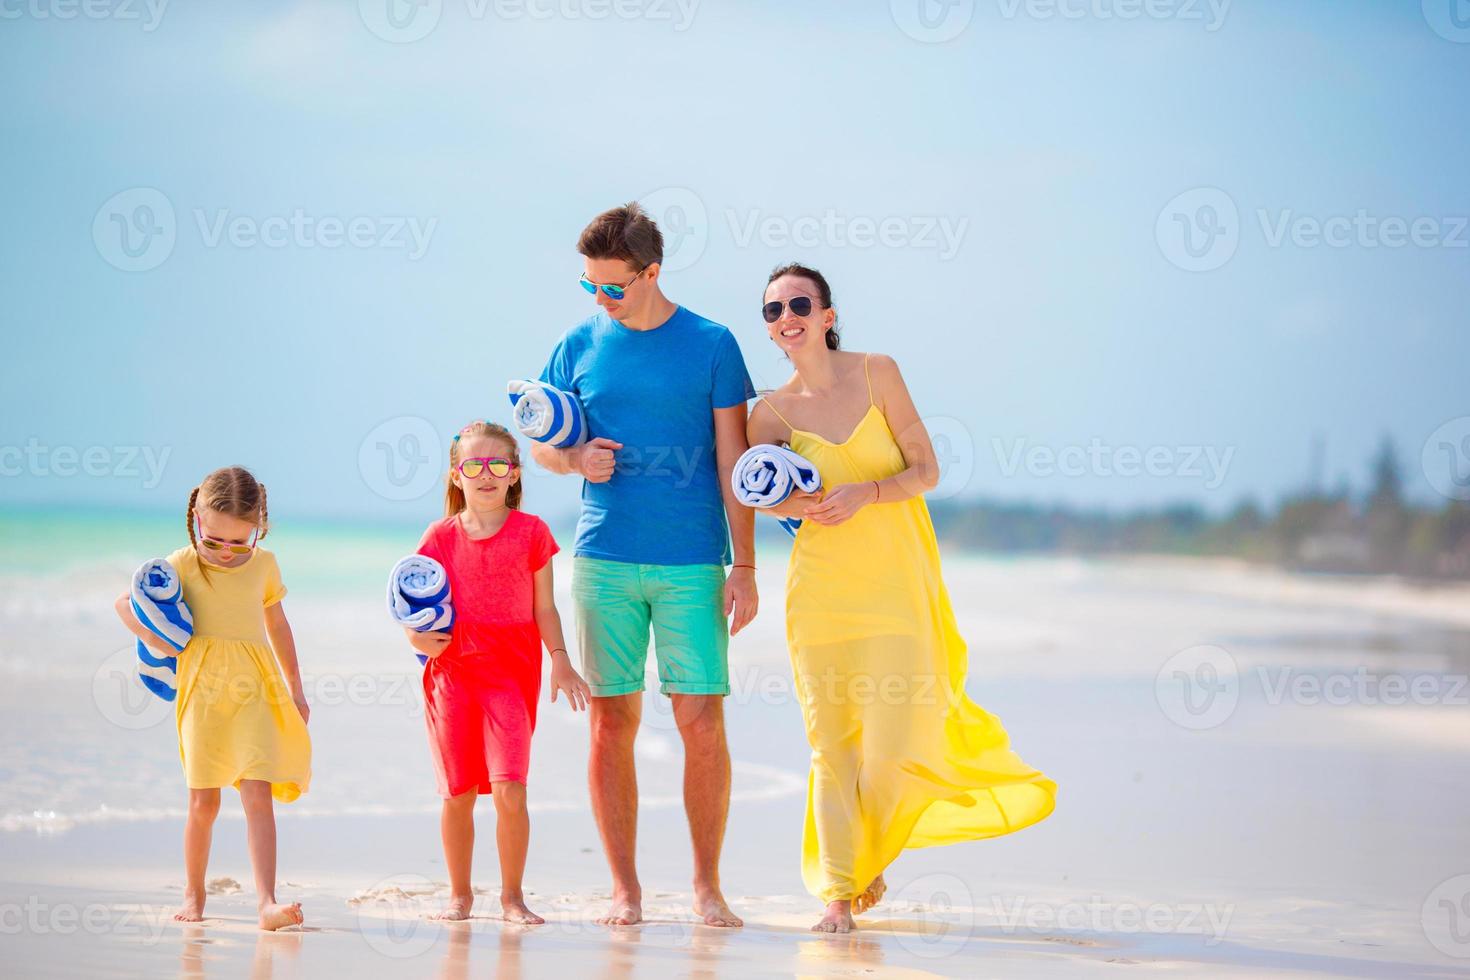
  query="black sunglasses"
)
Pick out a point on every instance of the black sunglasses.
point(800, 306)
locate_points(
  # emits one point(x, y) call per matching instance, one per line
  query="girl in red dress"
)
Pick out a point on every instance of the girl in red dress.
point(483, 678)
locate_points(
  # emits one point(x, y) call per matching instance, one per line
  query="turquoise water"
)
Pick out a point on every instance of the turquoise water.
point(330, 557)
point(324, 557)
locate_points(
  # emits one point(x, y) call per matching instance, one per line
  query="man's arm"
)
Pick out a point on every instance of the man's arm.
point(593, 460)
point(730, 444)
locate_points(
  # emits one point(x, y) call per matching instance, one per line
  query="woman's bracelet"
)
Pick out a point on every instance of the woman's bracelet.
point(560, 650)
point(877, 492)
point(738, 565)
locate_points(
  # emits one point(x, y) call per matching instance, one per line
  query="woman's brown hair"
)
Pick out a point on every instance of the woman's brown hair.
point(454, 495)
point(234, 492)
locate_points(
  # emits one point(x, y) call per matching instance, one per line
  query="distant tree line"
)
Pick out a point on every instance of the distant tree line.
point(1380, 532)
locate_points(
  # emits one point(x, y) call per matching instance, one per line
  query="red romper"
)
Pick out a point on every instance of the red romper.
point(480, 694)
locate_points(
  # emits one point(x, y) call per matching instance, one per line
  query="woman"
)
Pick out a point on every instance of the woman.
point(900, 756)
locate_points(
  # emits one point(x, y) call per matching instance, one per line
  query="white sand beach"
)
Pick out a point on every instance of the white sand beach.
point(1309, 822)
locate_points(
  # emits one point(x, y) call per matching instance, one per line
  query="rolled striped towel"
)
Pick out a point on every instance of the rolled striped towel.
point(547, 414)
point(418, 596)
point(158, 602)
point(765, 475)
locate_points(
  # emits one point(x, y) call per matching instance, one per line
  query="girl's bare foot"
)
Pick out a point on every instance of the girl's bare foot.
point(275, 916)
point(710, 906)
point(193, 908)
point(458, 908)
point(872, 896)
point(838, 918)
point(515, 911)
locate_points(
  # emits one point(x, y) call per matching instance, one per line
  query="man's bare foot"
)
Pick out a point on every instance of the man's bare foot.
point(838, 918)
point(710, 906)
point(274, 916)
point(870, 897)
point(515, 911)
point(192, 910)
point(457, 910)
point(627, 910)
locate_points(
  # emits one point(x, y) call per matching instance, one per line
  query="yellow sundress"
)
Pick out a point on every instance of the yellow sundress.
point(901, 757)
point(235, 715)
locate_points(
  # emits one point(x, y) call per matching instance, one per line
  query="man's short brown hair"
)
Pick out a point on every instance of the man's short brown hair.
point(625, 233)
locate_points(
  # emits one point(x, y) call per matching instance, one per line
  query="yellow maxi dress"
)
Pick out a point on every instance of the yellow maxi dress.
point(234, 710)
point(901, 757)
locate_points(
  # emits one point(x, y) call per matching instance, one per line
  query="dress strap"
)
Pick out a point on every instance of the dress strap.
point(767, 402)
point(870, 379)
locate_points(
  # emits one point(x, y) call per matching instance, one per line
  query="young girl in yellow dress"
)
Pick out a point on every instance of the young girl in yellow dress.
point(901, 757)
point(240, 708)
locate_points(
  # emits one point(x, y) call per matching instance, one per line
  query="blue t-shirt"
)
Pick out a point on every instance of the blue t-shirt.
point(655, 392)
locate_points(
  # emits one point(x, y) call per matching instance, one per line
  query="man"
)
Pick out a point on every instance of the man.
point(664, 392)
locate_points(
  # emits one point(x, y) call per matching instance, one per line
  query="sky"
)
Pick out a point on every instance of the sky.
point(1124, 253)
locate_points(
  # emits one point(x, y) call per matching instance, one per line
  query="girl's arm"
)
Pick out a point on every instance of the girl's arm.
point(284, 644)
point(124, 607)
point(564, 676)
point(430, 644)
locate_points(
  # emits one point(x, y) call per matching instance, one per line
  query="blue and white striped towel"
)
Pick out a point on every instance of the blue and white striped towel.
point(418, 596)
point(547, 414)
point(158, 602)
point(765, 475)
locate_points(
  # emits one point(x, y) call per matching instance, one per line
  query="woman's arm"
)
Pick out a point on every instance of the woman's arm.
point(284, 644)
point(897, 405)
point(764, 428)
point(920, 475)
point(564, 677)
point(124, 608)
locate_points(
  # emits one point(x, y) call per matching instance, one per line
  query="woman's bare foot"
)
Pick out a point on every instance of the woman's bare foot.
point(193, 908)
point(627, 910)
point(458, 909)
point(837, 918)
point(870, 897)
point(710, 906)
point(274, 916)
point(515, 911)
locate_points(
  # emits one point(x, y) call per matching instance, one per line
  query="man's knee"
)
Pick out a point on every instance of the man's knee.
point(701, 719)
point(615, 720)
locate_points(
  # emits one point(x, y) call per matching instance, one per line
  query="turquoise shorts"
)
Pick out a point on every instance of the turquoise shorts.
point(616, 603)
